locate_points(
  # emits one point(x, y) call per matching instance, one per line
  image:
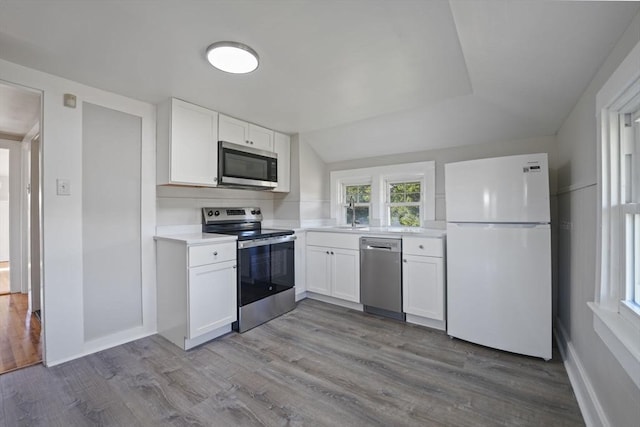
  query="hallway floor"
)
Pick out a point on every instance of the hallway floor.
point(20, 343)
point(4, 277)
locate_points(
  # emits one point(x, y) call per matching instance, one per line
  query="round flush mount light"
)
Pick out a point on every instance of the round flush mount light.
point(232, 57)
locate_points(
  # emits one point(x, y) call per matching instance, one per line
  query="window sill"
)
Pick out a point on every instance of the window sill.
point(622, 338)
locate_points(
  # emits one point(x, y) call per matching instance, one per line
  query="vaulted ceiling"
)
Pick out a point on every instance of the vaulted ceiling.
point(355, 77)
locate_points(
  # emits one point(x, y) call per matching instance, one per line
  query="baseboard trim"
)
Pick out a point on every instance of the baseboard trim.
point(334, 301)
point(592, 412)
point(94, 349)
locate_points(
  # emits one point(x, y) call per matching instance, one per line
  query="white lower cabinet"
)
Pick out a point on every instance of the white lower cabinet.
point(332, 270)
point(423, 285)
point(212, 297)
point(196, 289)
point(345, 274)
point(319, 270)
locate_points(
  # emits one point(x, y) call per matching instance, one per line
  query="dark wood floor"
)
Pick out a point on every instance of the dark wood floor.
point(319, 365)
point(20, 343)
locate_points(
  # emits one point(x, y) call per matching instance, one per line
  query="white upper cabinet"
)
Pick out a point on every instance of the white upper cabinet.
point(233, 130)
point(243, 133)
point(282, 147)
point(187, 146)
point(261, 138)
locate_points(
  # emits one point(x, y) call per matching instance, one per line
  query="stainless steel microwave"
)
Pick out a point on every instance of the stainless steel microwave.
point(240, 166)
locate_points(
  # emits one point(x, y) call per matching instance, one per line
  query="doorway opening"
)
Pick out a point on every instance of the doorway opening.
point(4, 222)
point(20, 246)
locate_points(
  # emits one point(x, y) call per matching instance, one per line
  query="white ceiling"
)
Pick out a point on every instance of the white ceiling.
point(357, 77)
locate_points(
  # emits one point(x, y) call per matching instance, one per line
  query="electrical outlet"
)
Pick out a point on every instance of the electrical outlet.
point(63, 187)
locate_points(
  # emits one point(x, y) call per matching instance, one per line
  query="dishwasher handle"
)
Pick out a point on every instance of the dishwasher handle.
point(380, 244)
point(378, 247)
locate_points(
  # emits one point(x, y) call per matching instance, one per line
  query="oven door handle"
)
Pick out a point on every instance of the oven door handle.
point(264, 242)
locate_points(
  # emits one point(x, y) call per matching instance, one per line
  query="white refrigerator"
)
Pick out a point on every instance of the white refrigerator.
point(499, 253)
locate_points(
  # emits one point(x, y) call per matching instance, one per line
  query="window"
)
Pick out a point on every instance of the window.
point(401, 195)
point(357, 198)
point(630, 202)
point(620, 271)
point(616, 307)
point(404, 200)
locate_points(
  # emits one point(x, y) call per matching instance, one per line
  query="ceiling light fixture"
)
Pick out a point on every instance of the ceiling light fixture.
point(232, 57)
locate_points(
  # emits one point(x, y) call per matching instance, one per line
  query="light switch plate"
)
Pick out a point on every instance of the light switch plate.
point(63, 187)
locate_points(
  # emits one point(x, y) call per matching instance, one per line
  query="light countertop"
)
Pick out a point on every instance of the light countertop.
point(198, 238)
point(386, 231)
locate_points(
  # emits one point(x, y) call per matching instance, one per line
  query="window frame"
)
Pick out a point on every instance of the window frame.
point(388, 182)
point(629, 215)
point(345, 202)
point(377, 176)
point(615, 321)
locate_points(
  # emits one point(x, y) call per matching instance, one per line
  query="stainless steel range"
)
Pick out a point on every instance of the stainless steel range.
point(265, 264)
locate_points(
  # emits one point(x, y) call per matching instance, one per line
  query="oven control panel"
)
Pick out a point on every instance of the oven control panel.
point(213, 215)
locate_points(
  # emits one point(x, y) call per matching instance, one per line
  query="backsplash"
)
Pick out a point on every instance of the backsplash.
point(182, 205)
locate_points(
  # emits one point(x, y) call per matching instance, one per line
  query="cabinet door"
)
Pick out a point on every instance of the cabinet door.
point(318, 270)
point(212, 297)
point(282, 147)
point(194, 151)
point(423, 286)
point(346, 274)
point(233, 130)
point(260, 138)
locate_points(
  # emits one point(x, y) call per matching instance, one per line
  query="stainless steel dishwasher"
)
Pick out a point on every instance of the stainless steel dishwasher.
point(381, 276)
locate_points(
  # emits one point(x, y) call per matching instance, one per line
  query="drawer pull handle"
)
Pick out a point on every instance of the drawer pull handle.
point(327, 252)
point(215, 253)
point(331, 252)
point(421, 246)
point(404, 260)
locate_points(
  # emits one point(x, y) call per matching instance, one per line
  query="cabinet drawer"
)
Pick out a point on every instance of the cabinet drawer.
point(333, 240)
point(425, 246)
point(208, 254)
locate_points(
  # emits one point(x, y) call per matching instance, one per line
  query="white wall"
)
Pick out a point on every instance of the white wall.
point(183, 205)
point(308, 203)
point(606, 393)
point(315, 192)
point(62, 215)
point(286, 206)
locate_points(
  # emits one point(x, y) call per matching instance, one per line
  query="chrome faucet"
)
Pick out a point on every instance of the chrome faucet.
point(352, 206)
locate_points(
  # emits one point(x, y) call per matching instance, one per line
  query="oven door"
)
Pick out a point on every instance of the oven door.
point(265, 268)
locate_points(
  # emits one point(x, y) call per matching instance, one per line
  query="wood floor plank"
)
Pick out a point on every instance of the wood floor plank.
point(20, 342)
point(318, 365)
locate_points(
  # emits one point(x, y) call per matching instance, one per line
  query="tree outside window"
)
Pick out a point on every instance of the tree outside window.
point(361, 195)
point(404, 204)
